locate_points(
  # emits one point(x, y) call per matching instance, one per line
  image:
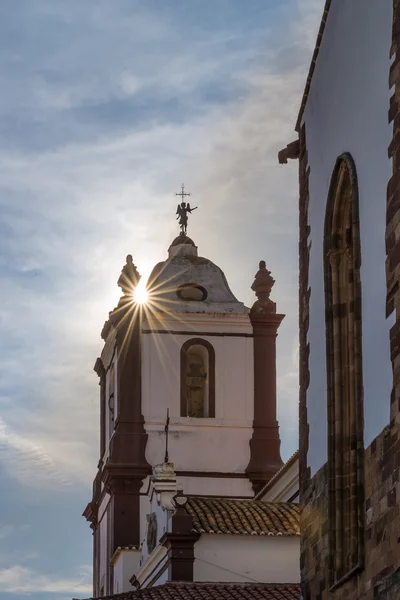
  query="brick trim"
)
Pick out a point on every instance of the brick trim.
point(304, 308)
point(393, 196)
point(265, 458)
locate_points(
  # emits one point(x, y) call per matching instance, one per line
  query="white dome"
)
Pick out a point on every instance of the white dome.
point(189, 283)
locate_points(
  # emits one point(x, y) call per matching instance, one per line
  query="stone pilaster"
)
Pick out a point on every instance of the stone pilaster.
point(265, 458)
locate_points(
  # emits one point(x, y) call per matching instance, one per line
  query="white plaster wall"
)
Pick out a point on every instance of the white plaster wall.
point(347, 111)
point(125, 566)
point(213, 486)
point(285, 488)
point(103, 552)
point(163, 578)
point(212, 444)
point(103, 534)
point(162, 521)
point(144, 509)
point(247, 558)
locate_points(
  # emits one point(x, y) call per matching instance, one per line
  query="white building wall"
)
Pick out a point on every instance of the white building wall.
point(283, 487)
point(162, 517)
point(212, 486)
point(247, 558)
point(125, 566)
point(219, 444)
point(103, 543)
point(347, 111)
point(163, 578)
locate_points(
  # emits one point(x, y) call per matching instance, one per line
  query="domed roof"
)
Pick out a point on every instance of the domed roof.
point(189, 283)
point(182, 239)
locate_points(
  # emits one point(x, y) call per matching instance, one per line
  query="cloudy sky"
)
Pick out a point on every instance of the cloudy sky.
point(105, 108)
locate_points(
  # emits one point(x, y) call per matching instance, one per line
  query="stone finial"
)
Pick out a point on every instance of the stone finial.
point(129, 277)
point(262, 287)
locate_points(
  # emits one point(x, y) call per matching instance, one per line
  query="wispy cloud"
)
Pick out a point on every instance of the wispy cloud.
point(106, 109)
point(74, 212)
point(21, 580)
point(27, 462)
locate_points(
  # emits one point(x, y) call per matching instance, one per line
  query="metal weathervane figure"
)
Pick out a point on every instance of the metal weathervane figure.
point(183, 209)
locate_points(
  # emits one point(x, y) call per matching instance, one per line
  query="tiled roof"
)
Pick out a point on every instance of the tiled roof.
point(249, 517)
point(213, 591)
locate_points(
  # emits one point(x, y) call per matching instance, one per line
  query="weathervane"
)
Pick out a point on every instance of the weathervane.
point(183, 209)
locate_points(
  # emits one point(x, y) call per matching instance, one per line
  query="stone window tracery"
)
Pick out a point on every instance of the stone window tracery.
point(197, 379)
point(342, 261)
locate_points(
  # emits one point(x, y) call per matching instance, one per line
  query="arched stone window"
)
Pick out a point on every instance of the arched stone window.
point(342, 260)
point(197, 379)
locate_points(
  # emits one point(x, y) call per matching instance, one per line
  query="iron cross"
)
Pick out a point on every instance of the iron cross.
point(182, 193)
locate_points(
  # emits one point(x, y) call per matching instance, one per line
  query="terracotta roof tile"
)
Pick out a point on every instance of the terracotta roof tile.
point(246, 517)
point(213, 591)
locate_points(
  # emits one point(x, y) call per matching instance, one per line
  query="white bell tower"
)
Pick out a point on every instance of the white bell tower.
point(195, 350)
point(197, 361)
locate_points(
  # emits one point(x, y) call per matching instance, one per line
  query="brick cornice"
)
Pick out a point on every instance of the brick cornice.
point(265, 324)
point(123, 478)
point(91, 514)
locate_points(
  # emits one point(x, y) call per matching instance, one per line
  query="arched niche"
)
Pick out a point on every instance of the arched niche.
point(197, 379)
point(343, 318)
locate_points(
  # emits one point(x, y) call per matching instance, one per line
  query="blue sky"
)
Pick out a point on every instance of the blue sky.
point(105, 108)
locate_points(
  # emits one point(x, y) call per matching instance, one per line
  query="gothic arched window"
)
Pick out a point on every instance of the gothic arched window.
point(342, 261)
point(197, 379)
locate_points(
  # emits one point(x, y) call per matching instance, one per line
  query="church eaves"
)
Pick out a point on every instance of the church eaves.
point(313, 63)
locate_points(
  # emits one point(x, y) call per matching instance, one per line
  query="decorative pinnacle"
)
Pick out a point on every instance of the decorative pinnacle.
point(262, 286)
point(129, 277)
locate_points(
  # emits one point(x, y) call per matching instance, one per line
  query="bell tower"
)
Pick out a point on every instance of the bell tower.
point(197, 361)
point(194, 350)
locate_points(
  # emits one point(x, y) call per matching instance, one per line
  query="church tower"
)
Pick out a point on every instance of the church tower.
point(192, 350)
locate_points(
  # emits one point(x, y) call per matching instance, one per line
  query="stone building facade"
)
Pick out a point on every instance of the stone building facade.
point(349, 304)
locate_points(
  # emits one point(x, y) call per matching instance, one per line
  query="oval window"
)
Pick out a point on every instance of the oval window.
point(191, 292)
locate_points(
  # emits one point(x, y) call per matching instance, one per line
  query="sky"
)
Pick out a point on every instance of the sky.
point(106, 107)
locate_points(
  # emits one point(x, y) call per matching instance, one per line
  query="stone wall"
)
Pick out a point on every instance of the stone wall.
point(379, 579)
